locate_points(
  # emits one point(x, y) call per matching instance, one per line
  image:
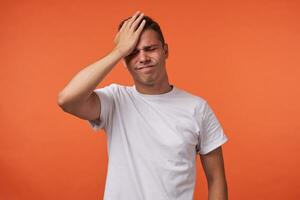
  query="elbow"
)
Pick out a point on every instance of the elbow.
point(67, 103)
point(62, 102)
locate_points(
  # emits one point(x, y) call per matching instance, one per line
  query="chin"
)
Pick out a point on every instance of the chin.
point(149, 82)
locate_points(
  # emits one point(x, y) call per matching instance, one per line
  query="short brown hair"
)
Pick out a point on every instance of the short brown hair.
point(150, 24)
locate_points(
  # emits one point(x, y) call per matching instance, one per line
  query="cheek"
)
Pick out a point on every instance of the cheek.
point(159, 60)
point(131, 69)
point(129, 64)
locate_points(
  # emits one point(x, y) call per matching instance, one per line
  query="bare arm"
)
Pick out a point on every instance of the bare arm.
point(213, 166)
point(78, 97)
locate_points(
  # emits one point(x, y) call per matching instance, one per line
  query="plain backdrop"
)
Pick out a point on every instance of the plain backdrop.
point(241, 56)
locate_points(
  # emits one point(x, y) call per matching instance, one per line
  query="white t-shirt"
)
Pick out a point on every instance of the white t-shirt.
point(153, 141)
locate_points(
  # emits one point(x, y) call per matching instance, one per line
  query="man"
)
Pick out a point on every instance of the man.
point(154, 129)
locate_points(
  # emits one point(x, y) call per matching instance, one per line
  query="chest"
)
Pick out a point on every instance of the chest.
point(167, 130)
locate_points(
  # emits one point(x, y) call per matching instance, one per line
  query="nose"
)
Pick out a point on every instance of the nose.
point(143, 57)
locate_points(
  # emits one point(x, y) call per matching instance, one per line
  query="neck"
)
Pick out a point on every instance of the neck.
point(160, 88)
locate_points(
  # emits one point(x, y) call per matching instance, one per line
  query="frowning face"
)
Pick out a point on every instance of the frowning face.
point(147, 61)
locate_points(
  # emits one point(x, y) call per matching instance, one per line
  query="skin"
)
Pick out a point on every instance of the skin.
point(138, 48)
point(213, 166)
point(148, 51)
point(147, 64)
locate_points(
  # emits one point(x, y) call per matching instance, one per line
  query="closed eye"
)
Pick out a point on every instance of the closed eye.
point(150, 48)
point(147, 48)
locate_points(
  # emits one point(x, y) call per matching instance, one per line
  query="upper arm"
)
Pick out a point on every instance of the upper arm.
point(89, 109)
point(213, 165)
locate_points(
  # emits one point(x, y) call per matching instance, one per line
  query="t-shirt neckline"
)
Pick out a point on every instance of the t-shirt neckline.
point(154, 96)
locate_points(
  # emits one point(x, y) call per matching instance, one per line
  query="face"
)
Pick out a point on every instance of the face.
point(146, 63)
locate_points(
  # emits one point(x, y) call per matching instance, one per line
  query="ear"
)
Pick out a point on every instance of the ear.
point(166, 49)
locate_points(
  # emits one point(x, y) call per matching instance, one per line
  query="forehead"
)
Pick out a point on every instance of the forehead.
point(148, 37)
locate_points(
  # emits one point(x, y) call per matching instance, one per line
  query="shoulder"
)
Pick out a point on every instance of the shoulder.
point(112, 88)
point(189, 97)
point(114, 91)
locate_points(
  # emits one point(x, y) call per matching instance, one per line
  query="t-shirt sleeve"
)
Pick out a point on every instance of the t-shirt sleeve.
point(107, 106)
point(211, 134)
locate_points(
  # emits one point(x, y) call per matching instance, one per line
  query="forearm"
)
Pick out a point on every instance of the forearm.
point(84, 82)
point(217, 190)
point(82, 85)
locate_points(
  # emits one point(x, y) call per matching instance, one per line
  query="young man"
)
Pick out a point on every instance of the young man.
point(154, 129)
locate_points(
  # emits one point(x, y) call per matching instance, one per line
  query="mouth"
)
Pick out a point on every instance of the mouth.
point(147, 69)
point(143, 67)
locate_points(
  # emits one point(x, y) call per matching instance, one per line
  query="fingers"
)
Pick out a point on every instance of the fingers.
point(123, 26)
point(133, 18)
point(137, 21)
point(132, 22)
point(141, 27)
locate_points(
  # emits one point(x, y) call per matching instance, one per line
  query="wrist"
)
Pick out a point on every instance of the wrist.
point(118, 52)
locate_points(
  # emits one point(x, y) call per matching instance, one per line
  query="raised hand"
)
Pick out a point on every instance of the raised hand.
point(127, 37)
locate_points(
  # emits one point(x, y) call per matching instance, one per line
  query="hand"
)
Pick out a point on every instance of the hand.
point(127, 37)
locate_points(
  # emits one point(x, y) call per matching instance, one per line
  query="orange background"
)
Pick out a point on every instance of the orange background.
point(243, 57)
